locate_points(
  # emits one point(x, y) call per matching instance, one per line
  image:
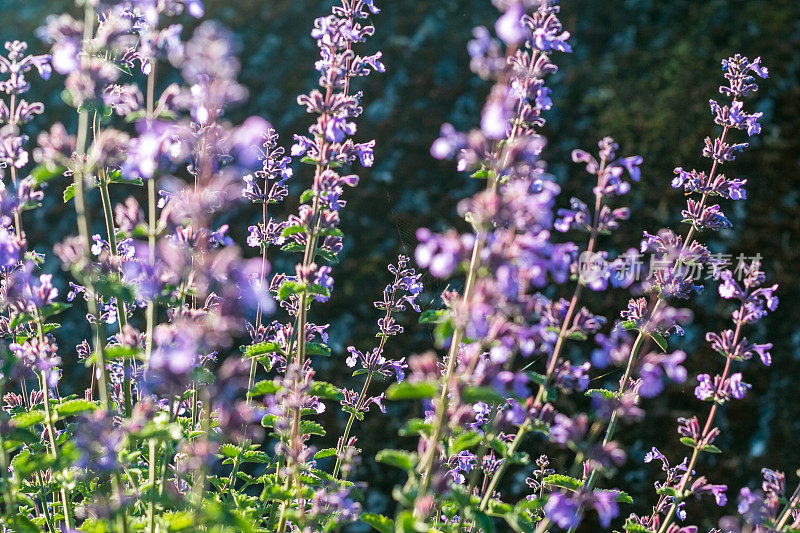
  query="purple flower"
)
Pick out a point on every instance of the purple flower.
point(562, 510)
point(338, 129)
point(509, 26)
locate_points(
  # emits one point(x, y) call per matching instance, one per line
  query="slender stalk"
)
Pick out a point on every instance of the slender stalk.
point(122, 313)
point(309, 254)
point(152, 215)
point(8, 498)
point(51, 433)
point(151, 476)
point(261, 278)
point(790, 506)
point(346, 435)
point(562, 335)
point(706, 429)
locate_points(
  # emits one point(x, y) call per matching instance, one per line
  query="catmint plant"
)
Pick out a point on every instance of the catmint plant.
point(201, 408)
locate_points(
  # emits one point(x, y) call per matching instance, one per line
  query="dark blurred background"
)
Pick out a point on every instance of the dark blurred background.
point(642, 72)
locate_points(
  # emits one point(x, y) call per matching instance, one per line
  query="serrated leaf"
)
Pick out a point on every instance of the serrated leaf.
point(326, 390)
point(69, 192)
point(564, 482)
point(29, 418)
point(264, 387)
point(401, 459)
point(465, 441)
point(378, 522)
point(289, 288)
point(603, 393)
point(317, 348)
point(327, 452)
point(621, 496)
point(412, 391)
point(262, 348)
point(482, 174)
point(74, 407)
point(229, 450)
point(309, 427)
point(120, 353)
point(307, 196)
point(273, 491)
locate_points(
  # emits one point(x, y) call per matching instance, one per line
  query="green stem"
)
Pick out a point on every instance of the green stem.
point(706, 429)
point(51, 432)
point(151, 476)
point(151, 219)
point(790, 506)
point(346, 435)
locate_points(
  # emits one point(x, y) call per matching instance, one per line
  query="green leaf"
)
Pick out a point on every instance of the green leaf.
point(667, 491)
point(632, 527)
point(74, 407)
point(44, 172)
point(330, 232)
point(482, 394)
point(320, 290)
point(326, 390)
point(288, 231)
point(378, 522)
point(273, 491)
point(603, 393)
point(28, 418)
point(317, 348)
point(288, 288)
point(482, 174)
point(264, 387)
point(262, 348)
point(327, 452)
point(115, 176)
point(412, 391)
point(69, 192)
point(229, 450)
point(120, 353)
point(401, 459)
point(660, 340)
point(307, 196)
point(414, 427)
point(432, 316)
point(309, 427)
point(328, 256)
point(564, 482)
point(406, 523)
point(465, 441)
point(577, 336)
point(628, 325)
point(621, 496)
point(26, 463)
point(689, 441)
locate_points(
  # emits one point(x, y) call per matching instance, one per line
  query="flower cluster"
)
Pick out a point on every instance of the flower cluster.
point(175, 426)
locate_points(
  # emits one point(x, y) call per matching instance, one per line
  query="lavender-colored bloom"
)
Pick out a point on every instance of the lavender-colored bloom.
point(17, 64)
point(562, 510)
point(509, 27)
